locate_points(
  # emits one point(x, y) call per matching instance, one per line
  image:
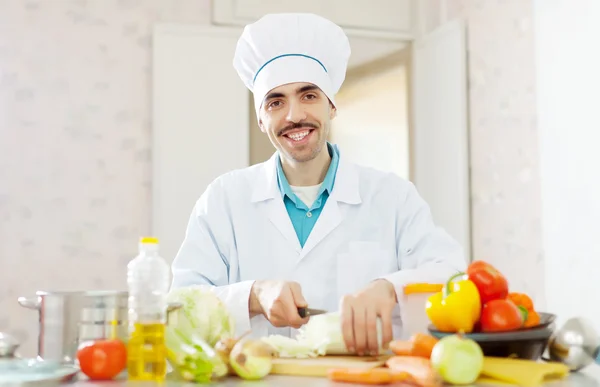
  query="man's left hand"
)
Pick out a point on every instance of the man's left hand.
point(359, 313)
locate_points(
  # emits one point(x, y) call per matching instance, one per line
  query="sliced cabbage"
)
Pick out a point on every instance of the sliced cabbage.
point(287, 347)
point(322, 335)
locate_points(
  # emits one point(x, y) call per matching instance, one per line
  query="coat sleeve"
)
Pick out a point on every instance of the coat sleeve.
point(426, 253)
point(208, 256)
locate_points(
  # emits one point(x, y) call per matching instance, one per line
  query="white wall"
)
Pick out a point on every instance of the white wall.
point(371, 127)
point(568, 81)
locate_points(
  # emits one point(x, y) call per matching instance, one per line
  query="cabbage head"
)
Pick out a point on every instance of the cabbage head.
point(205, 311)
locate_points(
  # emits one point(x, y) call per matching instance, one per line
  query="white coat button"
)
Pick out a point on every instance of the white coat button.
point(309, 214)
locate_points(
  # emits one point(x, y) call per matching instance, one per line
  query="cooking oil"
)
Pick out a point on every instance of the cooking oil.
point(147, 353)
point(148, 282)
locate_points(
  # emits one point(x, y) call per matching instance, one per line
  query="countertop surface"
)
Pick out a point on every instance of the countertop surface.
point(588, 377)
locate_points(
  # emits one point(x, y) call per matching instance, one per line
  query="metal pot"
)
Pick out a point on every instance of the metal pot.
point(66, 319)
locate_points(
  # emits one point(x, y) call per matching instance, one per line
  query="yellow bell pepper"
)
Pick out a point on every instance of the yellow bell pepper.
point(457, 307)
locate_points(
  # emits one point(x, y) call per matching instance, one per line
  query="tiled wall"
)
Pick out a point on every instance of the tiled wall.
point(74, 143)
point(75, 134)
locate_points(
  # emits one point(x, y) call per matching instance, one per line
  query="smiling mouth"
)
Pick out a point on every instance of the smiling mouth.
point(298, 136)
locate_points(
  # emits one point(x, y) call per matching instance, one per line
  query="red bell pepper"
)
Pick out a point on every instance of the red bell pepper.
point(492, 285)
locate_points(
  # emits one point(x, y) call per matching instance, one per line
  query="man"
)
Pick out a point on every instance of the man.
point(308, 227)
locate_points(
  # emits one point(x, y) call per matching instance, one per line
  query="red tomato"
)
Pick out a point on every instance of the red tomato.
point(492, 285)
point(102, 359)
point(500, 315)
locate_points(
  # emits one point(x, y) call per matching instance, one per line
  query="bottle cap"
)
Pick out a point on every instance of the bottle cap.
point(149, 240)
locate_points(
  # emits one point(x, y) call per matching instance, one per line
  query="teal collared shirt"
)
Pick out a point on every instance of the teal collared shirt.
point(304, 218)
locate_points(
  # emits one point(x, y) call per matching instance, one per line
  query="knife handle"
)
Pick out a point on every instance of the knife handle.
point(302, 312)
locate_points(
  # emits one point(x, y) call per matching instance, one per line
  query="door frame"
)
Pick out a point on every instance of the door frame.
point(403, 57)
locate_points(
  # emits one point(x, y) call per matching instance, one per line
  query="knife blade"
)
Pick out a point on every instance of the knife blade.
point(306, 312)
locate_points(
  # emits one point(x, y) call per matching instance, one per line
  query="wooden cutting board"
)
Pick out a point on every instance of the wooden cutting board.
point(320, 365)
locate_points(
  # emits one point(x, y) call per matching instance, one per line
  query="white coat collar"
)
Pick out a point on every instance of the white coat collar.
point(345, 189)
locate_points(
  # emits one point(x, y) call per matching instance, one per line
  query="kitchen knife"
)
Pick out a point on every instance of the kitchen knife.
point(306, 312)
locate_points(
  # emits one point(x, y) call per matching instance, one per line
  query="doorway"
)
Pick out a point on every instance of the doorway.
point(372, 126)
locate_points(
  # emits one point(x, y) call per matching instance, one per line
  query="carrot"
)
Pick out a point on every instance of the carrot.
point(420, 344)
point(419, 368)
point(401, 348)
point(360, 375)
point(423, 344)
point(403, 378)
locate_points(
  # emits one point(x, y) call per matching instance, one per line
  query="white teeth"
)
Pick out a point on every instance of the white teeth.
point(298, 136)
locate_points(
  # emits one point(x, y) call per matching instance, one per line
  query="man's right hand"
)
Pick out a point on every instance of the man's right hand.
point(278, 301)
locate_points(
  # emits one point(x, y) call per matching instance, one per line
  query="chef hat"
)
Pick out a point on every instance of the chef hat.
point(293, 47)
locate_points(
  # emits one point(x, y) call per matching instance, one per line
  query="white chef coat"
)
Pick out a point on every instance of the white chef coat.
point(374, 225)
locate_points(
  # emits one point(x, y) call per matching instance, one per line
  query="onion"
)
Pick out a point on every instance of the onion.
point(251, 359)
point(457, 359)
point(223, 348)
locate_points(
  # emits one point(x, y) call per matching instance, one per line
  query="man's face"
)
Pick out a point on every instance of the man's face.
point(297, 118)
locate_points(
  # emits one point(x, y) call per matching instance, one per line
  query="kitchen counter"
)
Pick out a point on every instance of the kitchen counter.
point(588, 377)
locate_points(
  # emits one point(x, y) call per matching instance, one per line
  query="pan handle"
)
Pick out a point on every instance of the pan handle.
point(29, 303)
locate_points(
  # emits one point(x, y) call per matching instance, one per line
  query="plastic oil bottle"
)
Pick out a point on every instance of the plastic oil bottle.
point(148, 283)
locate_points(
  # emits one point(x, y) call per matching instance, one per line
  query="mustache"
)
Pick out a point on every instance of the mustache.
point(297, 126)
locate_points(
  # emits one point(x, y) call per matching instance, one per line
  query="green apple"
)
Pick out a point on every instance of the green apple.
point(457, 359)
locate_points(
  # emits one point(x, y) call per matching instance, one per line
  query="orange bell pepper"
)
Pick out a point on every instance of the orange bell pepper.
point(523, 301)
point(533, 319)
